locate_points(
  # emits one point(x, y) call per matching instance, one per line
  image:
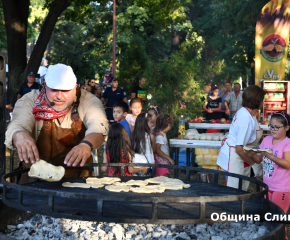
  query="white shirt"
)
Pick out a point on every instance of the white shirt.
point(149, 151)
point(242, 132)
point(148, 157)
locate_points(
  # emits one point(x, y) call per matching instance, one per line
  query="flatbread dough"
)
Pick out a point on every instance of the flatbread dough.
point(81, 185)
point(46, 171)
point(246, 149)
point(148, 189)
point(136, 183)
point(117, 188)
point(172, 186)
point(164, 180)
point(104, 180)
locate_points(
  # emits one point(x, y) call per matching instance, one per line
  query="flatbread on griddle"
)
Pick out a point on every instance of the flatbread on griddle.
point(104, 180)
point(81, 185)
point(117, 188)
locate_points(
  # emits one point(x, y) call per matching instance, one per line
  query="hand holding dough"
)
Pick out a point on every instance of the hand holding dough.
point(246, 149)
point(46, 171)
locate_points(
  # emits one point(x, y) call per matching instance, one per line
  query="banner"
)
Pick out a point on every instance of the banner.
point(271, 42)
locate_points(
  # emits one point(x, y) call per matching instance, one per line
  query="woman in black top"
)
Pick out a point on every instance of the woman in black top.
point(213, 102)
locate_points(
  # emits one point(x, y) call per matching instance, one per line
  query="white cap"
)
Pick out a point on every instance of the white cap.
point(60, 77)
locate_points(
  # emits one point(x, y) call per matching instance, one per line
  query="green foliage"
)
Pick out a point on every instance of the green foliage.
point(228, 28)
point(3, 38)
point(172, 80)
point(133, 63)
point(68, 48)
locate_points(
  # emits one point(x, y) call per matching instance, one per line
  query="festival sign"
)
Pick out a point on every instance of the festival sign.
point(272, 38)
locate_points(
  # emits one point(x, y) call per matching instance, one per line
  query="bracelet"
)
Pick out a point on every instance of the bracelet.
point(88, 143)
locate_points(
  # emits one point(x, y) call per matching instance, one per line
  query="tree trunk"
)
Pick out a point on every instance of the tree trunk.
point(16, 20)
point(55, 10)
point(175, 39)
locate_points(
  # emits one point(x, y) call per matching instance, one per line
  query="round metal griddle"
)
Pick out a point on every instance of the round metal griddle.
point(187, 206)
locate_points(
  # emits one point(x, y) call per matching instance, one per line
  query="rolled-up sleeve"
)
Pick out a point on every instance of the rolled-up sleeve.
point(93, 114)
point(22, 117)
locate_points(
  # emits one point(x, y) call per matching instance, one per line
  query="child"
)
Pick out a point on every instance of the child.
point(120, 111)
point(276, 166)
point(136, 108)
point(141, 140)
point(119, 151)
point(154, 111)
point(163, 125)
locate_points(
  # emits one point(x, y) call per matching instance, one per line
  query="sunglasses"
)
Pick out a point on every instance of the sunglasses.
point(275, 128)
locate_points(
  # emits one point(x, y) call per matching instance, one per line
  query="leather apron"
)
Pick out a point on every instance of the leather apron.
point(238, 166)
point(54, 143)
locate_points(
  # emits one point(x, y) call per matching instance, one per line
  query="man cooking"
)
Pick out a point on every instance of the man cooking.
point(60, 124)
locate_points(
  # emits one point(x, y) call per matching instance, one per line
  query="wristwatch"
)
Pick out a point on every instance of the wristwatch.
point(88, 143)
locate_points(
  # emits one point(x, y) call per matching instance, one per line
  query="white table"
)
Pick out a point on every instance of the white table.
point(188, 144)
point(184, 143)
point(217, 126)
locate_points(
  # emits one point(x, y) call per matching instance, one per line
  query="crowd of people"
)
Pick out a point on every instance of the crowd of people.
point(224, 103)
point(63, 124)
point(137, 138)
point(133, 136)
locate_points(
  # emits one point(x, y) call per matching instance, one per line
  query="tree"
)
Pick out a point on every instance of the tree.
point(68, 48)
point(228, 28)
point(16, 14)
point(134, 62)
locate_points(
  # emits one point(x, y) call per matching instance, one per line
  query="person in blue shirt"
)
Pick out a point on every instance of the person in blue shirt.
point(120, 110)
point(113, 94)
point(223, 94)
point(27, 87)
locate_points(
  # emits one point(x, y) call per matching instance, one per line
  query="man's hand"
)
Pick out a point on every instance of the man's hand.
point(251, 153)
point(9, 107)
point(210, 111)
point(78, 153)
point(228, 111)
point(25, 144)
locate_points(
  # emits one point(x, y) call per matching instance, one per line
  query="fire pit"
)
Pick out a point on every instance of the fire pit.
point(188, 206)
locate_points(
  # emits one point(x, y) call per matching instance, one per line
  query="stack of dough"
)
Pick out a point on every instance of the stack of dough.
point(246, 149)
point(206, 158)
point(209, 136)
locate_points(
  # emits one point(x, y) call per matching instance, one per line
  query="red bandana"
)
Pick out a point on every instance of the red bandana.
point(42, 110)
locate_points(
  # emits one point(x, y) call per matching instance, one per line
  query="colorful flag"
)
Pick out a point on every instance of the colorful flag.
point(272, 37)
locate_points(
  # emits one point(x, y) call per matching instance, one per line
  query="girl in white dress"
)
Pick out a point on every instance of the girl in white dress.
point(163, 125)
point(142, 141)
